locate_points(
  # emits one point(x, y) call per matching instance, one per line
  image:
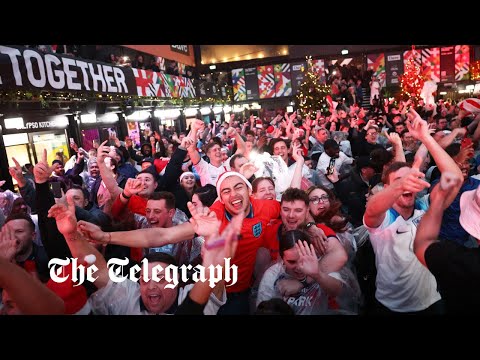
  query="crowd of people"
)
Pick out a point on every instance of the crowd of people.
point(362, 211)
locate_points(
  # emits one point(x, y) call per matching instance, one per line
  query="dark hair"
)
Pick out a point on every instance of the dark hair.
point(330, 144)
point(292, 194)
point(207, 194)
point(290, 238)
point(21, 216)
point(277, 140)
point(233, 158)
point(164, 195)
point(211, 145)
point(250, 132)
point(161, 257)
point(333, 210)
point(150, 170)
point(257, 181)
point(453, 149)
point(397, 165)
point(274, 306)
point(84, 191)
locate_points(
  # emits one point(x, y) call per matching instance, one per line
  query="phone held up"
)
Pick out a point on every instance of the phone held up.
point(56, 188)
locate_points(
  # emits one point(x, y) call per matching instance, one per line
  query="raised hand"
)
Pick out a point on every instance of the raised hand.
point(319, 239)
point(65, 217)
point(413, 181)
point(92, 232)
point(42, 170)
point(205, 223)
point(231, 132)
point(103, 151)
point(416, 125)
point(8, 243)
point(133, 187)
point(217, 248)
point(248, 169)
point(187, 143)
point(393, 138)
point(308, 262)
point(297, 153)
point(17, 174)
point(74, 146)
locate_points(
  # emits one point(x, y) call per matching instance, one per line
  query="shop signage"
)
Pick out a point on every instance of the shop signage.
point(28, 69)
point(182, 49)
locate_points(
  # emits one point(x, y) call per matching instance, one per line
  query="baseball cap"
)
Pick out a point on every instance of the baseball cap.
point(147, 159)
point(363, 162)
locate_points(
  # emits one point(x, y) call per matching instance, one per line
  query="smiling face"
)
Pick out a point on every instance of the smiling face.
point(319, 202)
point(265, 191)
point(158, 215)
point(235, 194)
point(215, 155)
point(293, 214)
point(156, 298)
point(149, 184)
point(281, 149)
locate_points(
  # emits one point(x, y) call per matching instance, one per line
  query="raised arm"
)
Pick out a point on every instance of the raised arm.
point(197, 124)
point(379, 203)
point(203, 225)
point(440, 198)
point(299, 161)
point(30, 295)
point(105, 173)
point(419, 130)
point(79, 246)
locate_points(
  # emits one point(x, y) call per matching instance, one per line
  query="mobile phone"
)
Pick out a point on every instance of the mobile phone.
point(56, 188)
point(72, 141)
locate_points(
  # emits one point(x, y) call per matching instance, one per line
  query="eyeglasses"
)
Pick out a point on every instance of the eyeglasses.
point(315, 200)
point(372, 133)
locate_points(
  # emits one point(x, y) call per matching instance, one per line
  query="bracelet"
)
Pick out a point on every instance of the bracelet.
point(125, 196)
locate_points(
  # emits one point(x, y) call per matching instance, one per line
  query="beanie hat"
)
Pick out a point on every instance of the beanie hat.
point(227, 174)
point(185, 174)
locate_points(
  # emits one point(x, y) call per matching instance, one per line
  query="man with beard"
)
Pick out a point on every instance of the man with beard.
point(404, 285)
point(28, 255)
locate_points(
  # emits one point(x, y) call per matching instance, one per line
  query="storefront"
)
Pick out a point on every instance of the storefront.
point(139, 124)
point(25, 136)
point(95, 129)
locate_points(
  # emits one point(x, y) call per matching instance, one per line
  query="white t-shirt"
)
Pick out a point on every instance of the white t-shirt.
point(123, 298)
point(403, 283)
point(209, 173)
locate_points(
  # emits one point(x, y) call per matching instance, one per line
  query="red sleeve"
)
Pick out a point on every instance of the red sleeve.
point(117, 208)
point(219, 209)
point(136, 205)
point(328, 231)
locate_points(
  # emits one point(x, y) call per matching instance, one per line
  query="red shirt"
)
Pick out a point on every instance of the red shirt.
point(272, 236)
point(136, 205)
point(253, 237)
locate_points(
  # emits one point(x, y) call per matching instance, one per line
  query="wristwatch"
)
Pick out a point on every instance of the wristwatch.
point(310, 224)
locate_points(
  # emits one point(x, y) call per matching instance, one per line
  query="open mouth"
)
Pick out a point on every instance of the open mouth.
point(269, 197)
point(237, 204)
point(154, 299)
point(407, 195)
